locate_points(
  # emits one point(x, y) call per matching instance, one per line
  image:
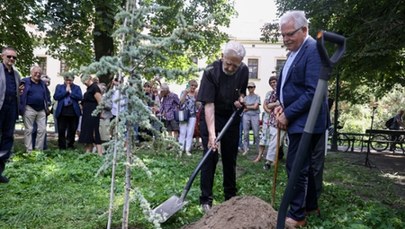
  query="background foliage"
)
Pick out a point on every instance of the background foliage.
point(375, 56)
point(80, 31)
point(14, 15)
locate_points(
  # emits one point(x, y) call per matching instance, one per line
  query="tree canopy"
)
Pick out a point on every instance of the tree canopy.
point(13, 19)
point(79, 31)
point(375, 42)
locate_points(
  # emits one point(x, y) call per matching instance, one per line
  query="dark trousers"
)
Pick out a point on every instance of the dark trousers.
point(67, 126)
point(229, 151)
point(8, 117)
point(394, 139)
point(306, 181)
point(315, 179)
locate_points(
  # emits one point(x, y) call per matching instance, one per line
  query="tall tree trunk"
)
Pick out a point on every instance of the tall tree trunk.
point(103, 26)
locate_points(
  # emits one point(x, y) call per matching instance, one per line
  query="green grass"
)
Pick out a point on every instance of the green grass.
point(59, 189)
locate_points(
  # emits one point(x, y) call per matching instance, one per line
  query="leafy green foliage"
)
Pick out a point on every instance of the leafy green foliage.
point(81, 31)
point(67, 26)
point(58, 189)
point(13, 18)
point(356, 118)
point(375, 46)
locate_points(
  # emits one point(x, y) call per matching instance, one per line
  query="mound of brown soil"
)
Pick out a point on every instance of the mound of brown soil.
point(239, 212)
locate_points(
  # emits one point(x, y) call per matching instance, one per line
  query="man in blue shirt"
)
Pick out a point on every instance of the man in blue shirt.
point(33, 103)
point(9, 91)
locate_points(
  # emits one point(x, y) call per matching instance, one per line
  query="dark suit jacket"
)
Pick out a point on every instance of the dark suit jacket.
point(75, 96)
point(299, 89)
point(3, 85)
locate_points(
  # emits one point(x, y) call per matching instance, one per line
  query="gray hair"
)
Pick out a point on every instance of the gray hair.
point(4, 49)
point(297, 16)
point(84, 77)
point(234, 48)
point(34, 67)
point(164, 86)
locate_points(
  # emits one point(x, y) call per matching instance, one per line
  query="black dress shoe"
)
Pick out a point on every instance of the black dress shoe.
point(4, 179)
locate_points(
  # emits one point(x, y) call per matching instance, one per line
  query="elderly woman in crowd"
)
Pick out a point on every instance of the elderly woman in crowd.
point(89, 131)
point(67, 112)
point(188, 104)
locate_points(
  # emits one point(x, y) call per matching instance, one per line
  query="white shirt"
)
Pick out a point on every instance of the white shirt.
point(286, 68)
point(115, 103)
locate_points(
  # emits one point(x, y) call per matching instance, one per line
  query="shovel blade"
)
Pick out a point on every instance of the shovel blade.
point(169, 208)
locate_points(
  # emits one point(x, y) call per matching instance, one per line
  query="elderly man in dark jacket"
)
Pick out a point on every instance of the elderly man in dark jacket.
point(34, 103)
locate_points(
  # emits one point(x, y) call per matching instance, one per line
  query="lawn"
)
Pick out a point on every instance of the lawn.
point(60, 189)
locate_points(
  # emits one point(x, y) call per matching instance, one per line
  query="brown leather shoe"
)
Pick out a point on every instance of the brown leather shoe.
point(295, 223)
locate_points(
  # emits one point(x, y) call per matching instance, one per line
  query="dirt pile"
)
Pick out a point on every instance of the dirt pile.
point(239, 212)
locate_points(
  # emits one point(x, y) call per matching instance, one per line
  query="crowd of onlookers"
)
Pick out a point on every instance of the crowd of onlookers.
point(73, 111)
point(179, 113)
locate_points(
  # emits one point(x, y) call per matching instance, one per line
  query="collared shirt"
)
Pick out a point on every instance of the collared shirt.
point(119, 102)
point(11, 87)
point(286, 68)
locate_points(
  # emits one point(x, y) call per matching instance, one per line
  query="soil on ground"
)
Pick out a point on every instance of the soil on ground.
point(239, 212)
point(254, 213)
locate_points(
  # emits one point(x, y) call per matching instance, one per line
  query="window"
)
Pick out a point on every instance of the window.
point(63, 67)
point(253, 65)
point(42, 64)
point(279, 66)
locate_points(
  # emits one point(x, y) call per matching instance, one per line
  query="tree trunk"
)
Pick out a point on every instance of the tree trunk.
point(103, 26)
point(125, 210)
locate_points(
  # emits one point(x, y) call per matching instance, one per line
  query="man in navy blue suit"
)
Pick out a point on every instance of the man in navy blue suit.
point(297, 85)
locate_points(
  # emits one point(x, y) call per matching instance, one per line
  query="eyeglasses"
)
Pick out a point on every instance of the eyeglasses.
point(10, 56)
point(290, 34)
point(250, 87)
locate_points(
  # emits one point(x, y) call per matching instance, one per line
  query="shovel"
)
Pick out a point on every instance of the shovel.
point(174, 203)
